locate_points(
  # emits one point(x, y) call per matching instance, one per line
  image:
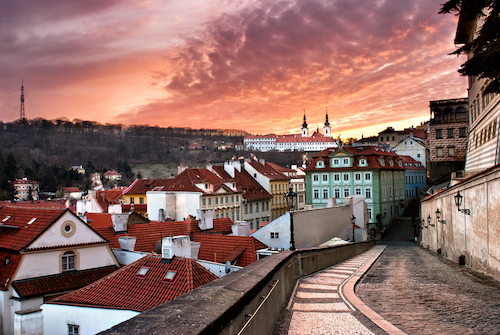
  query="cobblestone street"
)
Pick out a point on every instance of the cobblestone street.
point(422, 293)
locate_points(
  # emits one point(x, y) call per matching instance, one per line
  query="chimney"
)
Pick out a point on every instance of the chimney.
point(119, 221)
point(241, 229)
point(206, 218)
point(181, 169)
point(229, 168)
point(262, 161)
point(180, 246)
point(127, 242)
point(209, 167)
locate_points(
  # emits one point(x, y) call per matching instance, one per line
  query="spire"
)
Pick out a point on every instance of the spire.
point(22, 115)
point(327, 125)
point(305, 130)
point(326, 122)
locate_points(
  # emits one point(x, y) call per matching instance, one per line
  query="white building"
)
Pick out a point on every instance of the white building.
point(413, 147)
point(45, 253)
point(295, 142)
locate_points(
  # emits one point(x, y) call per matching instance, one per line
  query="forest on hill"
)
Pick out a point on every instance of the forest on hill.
point(45, 150)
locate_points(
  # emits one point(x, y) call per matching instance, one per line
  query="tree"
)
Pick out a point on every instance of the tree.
point(484, 49)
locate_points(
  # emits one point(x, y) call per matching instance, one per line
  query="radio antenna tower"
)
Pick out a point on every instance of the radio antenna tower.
point(22, 115)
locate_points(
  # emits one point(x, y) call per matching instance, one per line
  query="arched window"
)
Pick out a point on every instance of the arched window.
point(68, 261)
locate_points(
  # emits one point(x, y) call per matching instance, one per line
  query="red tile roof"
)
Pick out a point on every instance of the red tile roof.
point(63, 282)
point(96, 220)
point(410, 163)
point(370, 153)
point(16, 231)
point(141, 186)
point(109, 197)
point(316, 137)
point(55, 204)
point(251, 189)
point(111, 173)
point(124, 289)
point(71, 189)
point(267, 170)
point(220, 248)
point(11, 261)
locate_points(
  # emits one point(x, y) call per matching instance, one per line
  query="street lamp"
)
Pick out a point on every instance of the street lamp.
point(290, 198)
point(429, 219)
point(438, 216)
point(458, 202)
point(353, 221)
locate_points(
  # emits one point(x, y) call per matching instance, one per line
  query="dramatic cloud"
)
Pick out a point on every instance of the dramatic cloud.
point(254, 65)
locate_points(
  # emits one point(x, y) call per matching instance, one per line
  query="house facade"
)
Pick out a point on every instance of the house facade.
point(26, 189)
point(45, 253)
point(413, 147)
point(415, 177)
point(374, 172)
point(448, 131)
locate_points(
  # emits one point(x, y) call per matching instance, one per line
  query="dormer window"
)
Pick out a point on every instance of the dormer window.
point(336, 161)
point(170, 276)
point(320, 164)
point(381, 161)
point(142, 271)
point(391, 163)
point(345, 161)
point(362, 162)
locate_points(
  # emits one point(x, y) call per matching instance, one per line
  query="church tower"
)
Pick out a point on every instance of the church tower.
point(305, 130)
point(327, 126)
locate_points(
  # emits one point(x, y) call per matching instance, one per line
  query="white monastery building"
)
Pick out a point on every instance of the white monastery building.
point(299, 142)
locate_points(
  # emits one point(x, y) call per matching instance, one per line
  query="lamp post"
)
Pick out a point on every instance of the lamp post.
point(353, 221)
point(290, 197)
point(458, 202)
point(438, 216)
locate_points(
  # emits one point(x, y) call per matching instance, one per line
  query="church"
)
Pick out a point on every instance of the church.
point(294, 142)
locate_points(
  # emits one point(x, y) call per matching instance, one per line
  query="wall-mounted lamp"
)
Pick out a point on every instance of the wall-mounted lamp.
point(458, 202)
point(429, 219)
point(438, 216)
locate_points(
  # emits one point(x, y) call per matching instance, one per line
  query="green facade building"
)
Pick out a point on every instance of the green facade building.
point(375, 173)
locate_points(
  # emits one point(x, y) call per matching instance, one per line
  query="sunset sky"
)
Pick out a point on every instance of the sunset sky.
point(253, 65)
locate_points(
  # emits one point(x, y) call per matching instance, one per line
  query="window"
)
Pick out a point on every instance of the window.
point(221, 200)
point(439, 133)
point(325, 194)
point(439, 152)
point(368, 176)
point(256, 207)
point(451, 151)
point(209, 201)
point(315, 177)
point(216, 201)
point(275, 235)
point(204, 202)
point(368, 193)
point(68, 261)
point(246, 208)
point(462, 132)
point(357, 176)
point(131, 200)
point(345, 161)
point(336, 177)
point(141, 200)
point(226, 200)
point(325, 177)
point(267, 206)
point(143, 270)
point(346, 192)
point(73, 330)
point(316, 194)
point(450, 133)
point(169, 276)
point(346, 177)
point(358, 191)
point(390, 192)
point(335, 161)
point(232, 198)
point(418, 155)
point(369, 213)
point(251, 208)
point(337, 193)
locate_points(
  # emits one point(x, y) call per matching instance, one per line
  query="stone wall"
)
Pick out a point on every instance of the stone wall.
point(475, 238)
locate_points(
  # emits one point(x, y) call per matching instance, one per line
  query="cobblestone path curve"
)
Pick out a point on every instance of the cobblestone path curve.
point(422, 293)
point(318, 306)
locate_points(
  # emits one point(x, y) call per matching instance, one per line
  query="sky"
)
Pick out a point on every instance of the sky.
point(253, 65)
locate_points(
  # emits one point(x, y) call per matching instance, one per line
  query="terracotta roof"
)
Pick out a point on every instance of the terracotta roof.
point(371, 153)
point(18, 229)
point(219, 248)
point(111, 173)
point(70, 189)
point(251, 189)
point(297, 138)
point(261, 136)
point(141, 186)
point(25, 181)
point(108, 197)
point(410, 163)
point(96, 220)
point(63, 282)
point(125, 289)
point(38, 204)
point(267, 170)
point(11, 261)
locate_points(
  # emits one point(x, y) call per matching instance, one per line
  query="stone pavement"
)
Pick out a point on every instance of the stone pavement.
point(319, 305)
point(423, 293)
